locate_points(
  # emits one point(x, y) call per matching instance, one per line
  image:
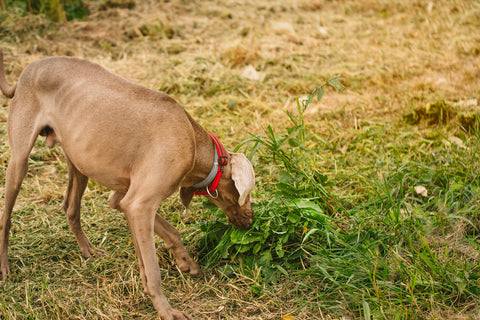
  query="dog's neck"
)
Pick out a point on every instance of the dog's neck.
point(204, 157)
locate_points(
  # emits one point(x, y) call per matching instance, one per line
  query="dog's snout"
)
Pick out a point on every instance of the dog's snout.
point(248, 222)
point(245, 226)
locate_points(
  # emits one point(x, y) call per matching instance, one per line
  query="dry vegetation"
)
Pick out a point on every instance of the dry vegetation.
point(395, 57)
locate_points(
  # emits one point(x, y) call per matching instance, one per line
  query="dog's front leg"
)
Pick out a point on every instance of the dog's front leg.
point(170, 236)
point(173, 242)
point(141, 219)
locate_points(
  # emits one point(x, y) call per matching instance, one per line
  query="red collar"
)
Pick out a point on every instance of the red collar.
point(221, 160)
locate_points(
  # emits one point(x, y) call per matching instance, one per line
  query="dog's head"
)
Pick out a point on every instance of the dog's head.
point(234, 188)
point(234, 191)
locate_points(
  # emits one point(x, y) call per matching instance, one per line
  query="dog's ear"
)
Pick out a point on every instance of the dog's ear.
point(186, 195)
point(243, 176)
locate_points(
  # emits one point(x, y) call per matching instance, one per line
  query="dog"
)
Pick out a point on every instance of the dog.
point(138, 142)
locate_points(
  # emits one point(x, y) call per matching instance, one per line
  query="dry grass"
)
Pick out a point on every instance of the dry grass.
point(392, 55)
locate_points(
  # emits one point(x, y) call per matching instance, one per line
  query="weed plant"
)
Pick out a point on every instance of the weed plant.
point(298, 214)
point(386, 256)
point(55, 10)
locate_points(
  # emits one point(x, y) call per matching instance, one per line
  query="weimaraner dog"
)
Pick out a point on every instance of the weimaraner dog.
point(139, 142)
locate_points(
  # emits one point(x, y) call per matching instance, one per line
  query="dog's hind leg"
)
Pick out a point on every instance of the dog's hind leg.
point(77, 182)
point(22, 135)
point(16, 170)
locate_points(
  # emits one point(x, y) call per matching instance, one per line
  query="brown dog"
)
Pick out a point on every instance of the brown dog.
point(136, 141)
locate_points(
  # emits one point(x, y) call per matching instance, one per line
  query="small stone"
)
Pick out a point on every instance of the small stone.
point(251, 74)
point(421, 190)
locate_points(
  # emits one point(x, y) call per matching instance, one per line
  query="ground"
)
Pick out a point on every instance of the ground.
point(236, 66)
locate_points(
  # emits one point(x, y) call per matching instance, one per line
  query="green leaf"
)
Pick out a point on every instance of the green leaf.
point(296, 254)
point(281, 269)
point(225, 253)
point(256, 290)
point(308, 101)
point(286, 189)
point(244, 237)
point(279, 250)
point(271, 133)
point(237, 236)
point(286, 177)
point(293, 142)
point(270, 274)
point(294, 130)
point(319, 93)
point(243, 248)
point(366, 310)
point(308, 234)
point(334, 82)
point(265, 258)
point(286, 236)
point(306, 204)
point(292, 117)
point(293, 217)
point(319, 177)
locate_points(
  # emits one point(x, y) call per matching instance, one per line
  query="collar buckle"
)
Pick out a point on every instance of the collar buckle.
point(223, 161)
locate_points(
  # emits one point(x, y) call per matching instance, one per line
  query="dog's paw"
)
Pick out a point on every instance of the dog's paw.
point(91, 252)
point(195, 271)
point(4, 271)
point(186, 264)
point(100, 252)
point(176, 315)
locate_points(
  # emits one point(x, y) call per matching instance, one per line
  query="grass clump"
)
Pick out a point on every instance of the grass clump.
point(14, 25)
point(469, 121)
point(387, 256)
point(122, 4)
point(437, 113)
point(299, 214)
point(240, 55)
point(55, 10)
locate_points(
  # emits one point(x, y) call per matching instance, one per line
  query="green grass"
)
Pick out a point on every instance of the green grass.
point(339, 232)
point(392, 254)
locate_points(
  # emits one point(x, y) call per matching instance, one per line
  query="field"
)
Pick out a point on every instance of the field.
point(367, 200)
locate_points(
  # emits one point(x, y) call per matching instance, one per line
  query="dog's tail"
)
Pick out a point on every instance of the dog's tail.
point(7, 91)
